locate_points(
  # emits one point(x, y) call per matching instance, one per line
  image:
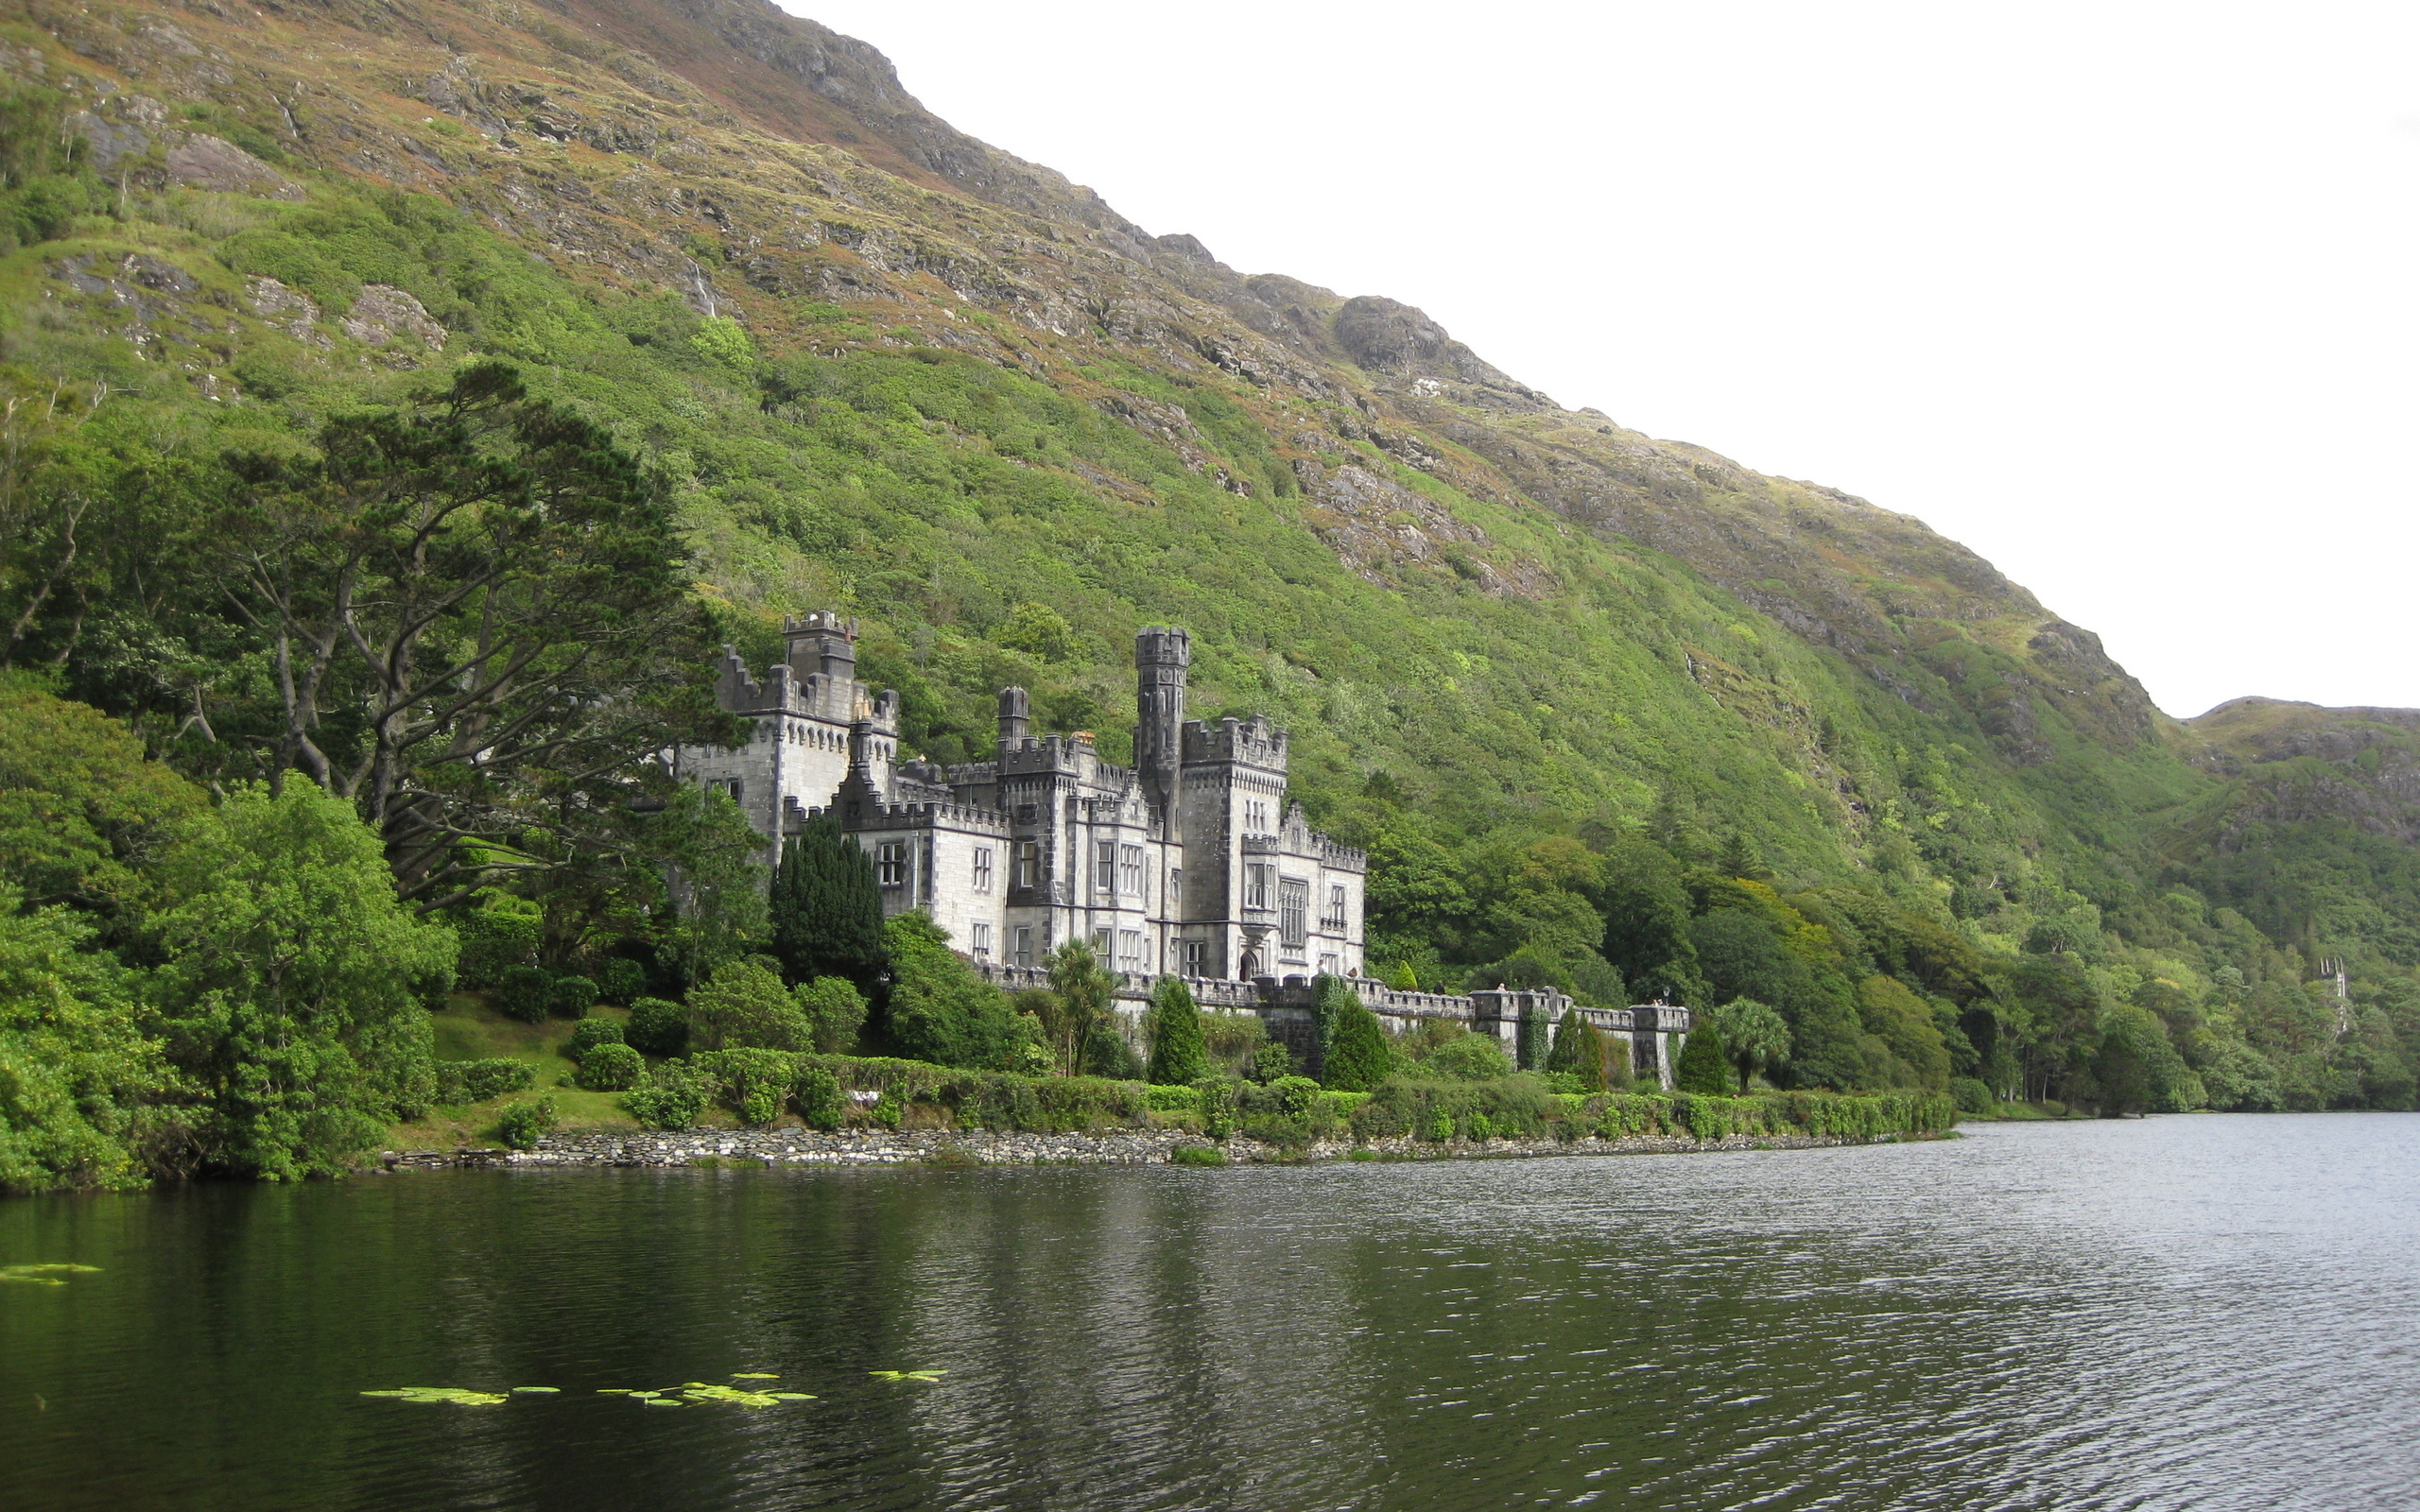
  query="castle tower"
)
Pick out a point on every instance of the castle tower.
point(1016, 724)
point(1162, 654)
point(823, 643)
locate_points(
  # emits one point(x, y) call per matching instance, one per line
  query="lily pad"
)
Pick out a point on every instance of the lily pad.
point(791, 1396)
point(907, 1375)
point(755, 1375)
point(732, 1394)
point(51, 1275)
point(456, 1395)
point(537, 1391)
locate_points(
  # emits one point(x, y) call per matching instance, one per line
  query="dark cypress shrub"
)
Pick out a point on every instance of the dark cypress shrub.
point(619, 980)
point(1173, 1030)
point(1706, 1068)
point(1578, 1051)
point(826, 909)
point(1358, 1056)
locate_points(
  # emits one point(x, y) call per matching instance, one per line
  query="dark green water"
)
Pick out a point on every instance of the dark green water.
point(2212, 1312)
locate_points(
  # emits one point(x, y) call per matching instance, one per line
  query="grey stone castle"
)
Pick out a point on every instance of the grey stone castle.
point(1193, 862)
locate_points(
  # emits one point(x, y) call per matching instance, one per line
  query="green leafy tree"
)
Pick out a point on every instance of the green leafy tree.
point(1466, 1058)
point(80, 1084)
point(289, 991)
point(938, 1009)
point(1754, 1033)
point(834, 1011)
point(82, 814)
point(475, 627)
point(1648, 937)
point(1578, 1051)
point(1705, 1066)
point(1172, 1028)
point(702, 844)
point(827, 908)
point(745, 1006)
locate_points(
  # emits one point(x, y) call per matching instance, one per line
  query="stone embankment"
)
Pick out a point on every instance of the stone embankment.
point(802, 1146)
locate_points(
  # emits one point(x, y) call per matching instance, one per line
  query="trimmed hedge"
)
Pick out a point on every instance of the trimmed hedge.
point(1524, 1108)
point(476, 1082)
point(610, 1066)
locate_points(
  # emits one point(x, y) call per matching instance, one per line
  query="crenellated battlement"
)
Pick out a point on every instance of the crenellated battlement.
point(1253, 742)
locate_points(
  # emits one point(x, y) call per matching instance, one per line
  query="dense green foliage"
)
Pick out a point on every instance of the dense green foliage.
point(826, 909)
point(610, 1066)
point(1358, 1057)
point(1704, 1068)
point(1172, 1028)
point(477, 1081)
point(938, 1009)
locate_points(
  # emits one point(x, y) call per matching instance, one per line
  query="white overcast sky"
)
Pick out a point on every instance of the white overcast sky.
point(2123, 295)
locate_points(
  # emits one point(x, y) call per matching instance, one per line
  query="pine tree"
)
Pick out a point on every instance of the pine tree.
point(827, 909)
point(1173, 1029)
point(1578, 1051)
point(1705, 1066)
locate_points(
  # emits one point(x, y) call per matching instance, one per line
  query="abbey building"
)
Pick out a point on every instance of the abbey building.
point(1191, 862)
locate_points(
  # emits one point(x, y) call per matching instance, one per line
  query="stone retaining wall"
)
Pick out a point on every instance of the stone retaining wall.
point(802, 1146)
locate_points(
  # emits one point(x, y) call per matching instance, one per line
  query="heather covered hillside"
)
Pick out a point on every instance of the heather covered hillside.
point(1608, 710)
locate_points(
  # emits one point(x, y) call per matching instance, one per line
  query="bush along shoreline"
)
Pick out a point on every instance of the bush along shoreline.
point(829, 1109)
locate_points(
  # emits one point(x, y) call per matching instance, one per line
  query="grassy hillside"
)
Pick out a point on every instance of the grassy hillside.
point(882, 367)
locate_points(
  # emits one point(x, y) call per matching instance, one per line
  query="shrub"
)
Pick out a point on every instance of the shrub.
point(1706, 1065)
point(1468, 1058)
point(476, 1082)
point(1197, 1155)
point(834, 1011)
point(1507, 1108)
point(571, 996)
point(589, 1033)
point(619, 980)
point(744, 1006)
point(753, 1081)
point(1579, 1053)
point(817, 1092)
point(657, 1026)
point(1272, 1062)
point(939, 1010)
point(524, 992)
point(493, 942)
point(1108, 1054)
point(1217, 1096)
point(671, 1098)
point(611, 1067)
point(1971, 1096)
point(1172, 1028)
point(522, 1124)
point(1358, 1057)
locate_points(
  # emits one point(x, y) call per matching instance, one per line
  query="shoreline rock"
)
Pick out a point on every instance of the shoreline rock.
point(801, 1146)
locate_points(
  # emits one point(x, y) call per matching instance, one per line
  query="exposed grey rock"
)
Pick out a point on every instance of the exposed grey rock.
point(384, 312)
point(206, 163)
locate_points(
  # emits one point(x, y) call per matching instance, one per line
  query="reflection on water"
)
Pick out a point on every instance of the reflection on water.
point(2208, 1312)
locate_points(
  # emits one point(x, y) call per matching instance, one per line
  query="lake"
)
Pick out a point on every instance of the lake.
point(2193, 1312)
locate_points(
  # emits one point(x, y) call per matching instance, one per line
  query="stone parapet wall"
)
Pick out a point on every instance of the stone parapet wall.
point(796, 1146)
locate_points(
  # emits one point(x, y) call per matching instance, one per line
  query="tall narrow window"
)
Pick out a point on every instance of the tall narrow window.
point(982, 868)
point(1293, 912)
point(1256, 885)
point(890, 863)
point(1028, 872)
point(1195, 955)
point(1129, 870)
point(1105, 867)
point(1176, 891)
point(979, 937)
point(1130, 952)
point(1102, 945)
point(1334, 921)
point(1025, 945)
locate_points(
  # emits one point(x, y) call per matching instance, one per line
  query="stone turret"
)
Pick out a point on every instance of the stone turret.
point(1161, 656)
point(1017, 724)
point(823, 644)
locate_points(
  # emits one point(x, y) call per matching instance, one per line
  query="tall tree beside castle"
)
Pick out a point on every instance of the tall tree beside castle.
point(827, 910)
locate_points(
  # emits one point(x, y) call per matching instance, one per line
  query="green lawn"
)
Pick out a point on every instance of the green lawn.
point(469, 1029)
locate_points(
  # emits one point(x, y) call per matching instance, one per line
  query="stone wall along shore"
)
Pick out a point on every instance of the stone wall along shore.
point(802, 1146)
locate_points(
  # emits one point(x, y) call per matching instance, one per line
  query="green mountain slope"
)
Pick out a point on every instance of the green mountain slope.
point(886, 368)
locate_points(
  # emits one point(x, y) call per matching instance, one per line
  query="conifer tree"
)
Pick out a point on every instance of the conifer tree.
point(827, 908)
point(1706, 1065)
point(1173, 1029)
point(1578, 1051)
point(1358, 1057)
